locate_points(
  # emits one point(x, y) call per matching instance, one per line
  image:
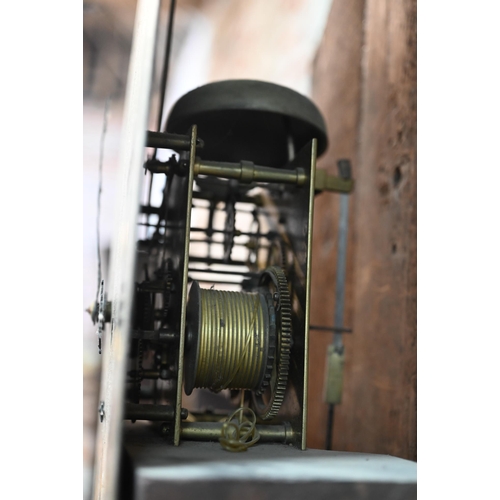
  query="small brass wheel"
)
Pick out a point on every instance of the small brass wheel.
point(268, 401)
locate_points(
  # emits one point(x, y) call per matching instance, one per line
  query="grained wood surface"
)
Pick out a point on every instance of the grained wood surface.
point(365, 84)
point(337, 91)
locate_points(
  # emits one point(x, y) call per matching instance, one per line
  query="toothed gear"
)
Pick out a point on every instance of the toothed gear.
point(278, 255)
point(271, 347)
point(279, 376)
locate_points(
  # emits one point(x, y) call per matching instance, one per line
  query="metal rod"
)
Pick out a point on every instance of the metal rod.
point(232, 273)
point(209, 241)
point(330, 329)
point(152, 412)
point(338, 346)
point(162, 140)
point(99, 191)
point(218, 261)
point(143, 374)
point(167, 189)
point(164, 76)
point(145, 209)
point(247, 172)
point(338, 320)
point(269, 235)
point(216, 282)
point(183, 291)
point(240, 198)
point(329, 427)
point(152, 287)
point(238, 209)
point(211, 431)
point(157, 335)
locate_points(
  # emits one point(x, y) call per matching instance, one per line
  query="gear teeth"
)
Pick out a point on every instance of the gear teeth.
point(284, 347)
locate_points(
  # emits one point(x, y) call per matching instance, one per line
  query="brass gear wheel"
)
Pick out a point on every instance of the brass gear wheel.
point(268, 403)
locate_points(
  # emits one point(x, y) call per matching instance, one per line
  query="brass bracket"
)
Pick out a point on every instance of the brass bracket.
point(334, 375)
point(326, 182)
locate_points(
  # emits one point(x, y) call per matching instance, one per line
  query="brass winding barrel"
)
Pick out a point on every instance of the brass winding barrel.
point(227, 339)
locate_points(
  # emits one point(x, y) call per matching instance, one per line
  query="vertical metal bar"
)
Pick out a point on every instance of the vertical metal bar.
point(166, 61)
point(338, 320)
point(329, 426)
point(312, 181)
point(116, 342)
point(182, 333)
point(336, 350)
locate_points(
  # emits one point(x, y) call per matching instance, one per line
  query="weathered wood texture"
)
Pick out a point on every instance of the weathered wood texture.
point(337, 91)
point(365, 84)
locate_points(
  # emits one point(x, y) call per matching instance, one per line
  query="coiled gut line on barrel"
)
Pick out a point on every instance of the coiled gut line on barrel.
point(220, 346)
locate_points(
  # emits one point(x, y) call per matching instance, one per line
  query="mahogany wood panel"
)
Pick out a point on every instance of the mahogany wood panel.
point(337, 91)
point(365, 84)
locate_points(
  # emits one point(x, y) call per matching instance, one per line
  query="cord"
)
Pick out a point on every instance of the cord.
point(238, 434)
